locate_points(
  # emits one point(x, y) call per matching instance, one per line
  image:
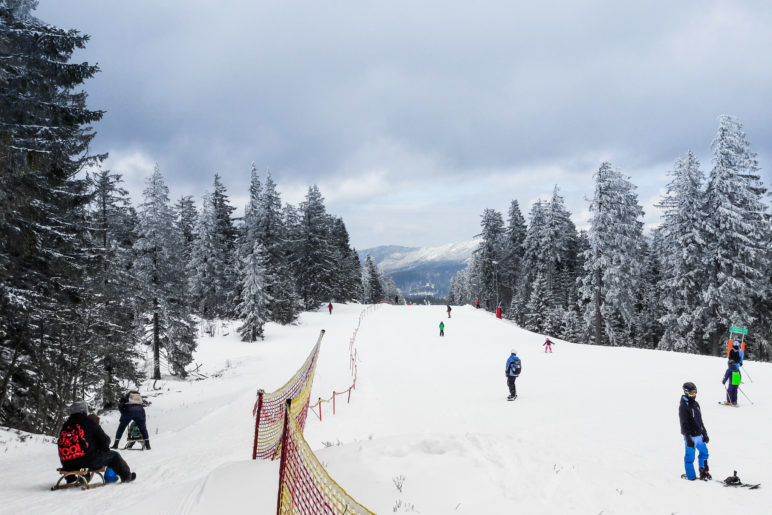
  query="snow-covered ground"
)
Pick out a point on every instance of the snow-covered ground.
point(594, 429)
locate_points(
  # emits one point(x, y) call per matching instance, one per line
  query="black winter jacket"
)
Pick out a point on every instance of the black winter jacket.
point(691, 418)
point(82, 443)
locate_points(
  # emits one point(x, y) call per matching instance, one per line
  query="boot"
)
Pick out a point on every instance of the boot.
point(115, 444)
point(147, 444)
point(705, 473)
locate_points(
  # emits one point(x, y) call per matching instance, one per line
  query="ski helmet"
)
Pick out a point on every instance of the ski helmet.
point(690, 388)
point(514, 352)
point(736, 344)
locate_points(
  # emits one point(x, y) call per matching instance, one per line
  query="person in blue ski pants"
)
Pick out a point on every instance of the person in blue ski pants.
point(694, 433)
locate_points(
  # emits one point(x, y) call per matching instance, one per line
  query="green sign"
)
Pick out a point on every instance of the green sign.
point(739, 330)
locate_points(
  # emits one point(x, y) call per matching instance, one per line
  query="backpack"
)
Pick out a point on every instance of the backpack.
point(516, 367)
point(72, 443)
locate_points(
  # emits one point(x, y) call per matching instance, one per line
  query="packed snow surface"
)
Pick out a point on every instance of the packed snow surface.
point(428, 429)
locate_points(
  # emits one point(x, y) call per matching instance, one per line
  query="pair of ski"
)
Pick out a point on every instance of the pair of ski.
point(724, 403)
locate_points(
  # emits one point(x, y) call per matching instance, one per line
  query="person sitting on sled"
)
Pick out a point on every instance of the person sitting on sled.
point(83, 443)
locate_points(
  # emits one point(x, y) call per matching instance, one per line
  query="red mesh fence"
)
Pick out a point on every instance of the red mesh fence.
point(305, 488)
point(270, 407)
point(353, 360)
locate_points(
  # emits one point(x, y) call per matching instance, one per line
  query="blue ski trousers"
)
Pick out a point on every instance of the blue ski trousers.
point(689, 455)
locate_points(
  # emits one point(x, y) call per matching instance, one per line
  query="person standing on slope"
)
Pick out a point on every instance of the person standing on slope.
point(732, 375)
point(548, 345)
point(514, 366)
point(442, 328)
point(329, 306)
point(131, 408)
point(694, 433)
point(448, 310)
point(736, 354)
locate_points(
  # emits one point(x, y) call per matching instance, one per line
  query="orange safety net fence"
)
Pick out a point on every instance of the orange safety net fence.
point(305, 488)
point(269, 407)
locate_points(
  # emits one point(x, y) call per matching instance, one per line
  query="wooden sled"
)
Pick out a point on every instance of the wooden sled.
point(82, 478)
point(130, 445)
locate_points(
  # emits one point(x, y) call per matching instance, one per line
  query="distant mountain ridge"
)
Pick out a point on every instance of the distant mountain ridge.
point(422, 271)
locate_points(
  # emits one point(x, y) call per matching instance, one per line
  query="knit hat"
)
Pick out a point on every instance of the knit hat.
point(78, 407)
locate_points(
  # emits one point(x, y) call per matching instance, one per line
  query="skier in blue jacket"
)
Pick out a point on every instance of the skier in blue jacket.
point(694, 433)
point(734, 382)
point(514, 366)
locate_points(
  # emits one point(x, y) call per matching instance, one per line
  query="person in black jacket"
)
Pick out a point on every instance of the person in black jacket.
point(83, 444)
point(735, 354)
point(694, 433)
point(131, 408)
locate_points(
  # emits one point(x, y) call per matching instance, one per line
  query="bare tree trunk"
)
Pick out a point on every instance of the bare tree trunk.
point(156, 342)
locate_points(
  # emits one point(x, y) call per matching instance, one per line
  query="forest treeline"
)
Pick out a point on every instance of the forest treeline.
point(707, 267)
point(90, 284)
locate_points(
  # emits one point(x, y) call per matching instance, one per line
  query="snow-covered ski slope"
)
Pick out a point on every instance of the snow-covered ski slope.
point(594, 429)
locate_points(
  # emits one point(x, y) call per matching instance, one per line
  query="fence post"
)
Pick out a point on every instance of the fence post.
point(284, 453)
point(257, 421)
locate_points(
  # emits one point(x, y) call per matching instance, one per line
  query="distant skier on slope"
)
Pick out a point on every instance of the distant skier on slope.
point(442, 328)
point(548, 345)
point(448, 310)
point(734, 377)
point(512, 371)
point(694, 433)
point(477, 304)
point(329, 306)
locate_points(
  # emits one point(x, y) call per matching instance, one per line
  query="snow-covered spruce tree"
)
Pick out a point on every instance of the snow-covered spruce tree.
point(279, 239)
point(538, 307)
point(512, 260)
point(534, 262)
point(737, 235)
point(111, 284)
point(375, 292)
point(347, 284)
point(612, 265)
point(213, 280)
point(161, 275)
point(559, 250)
point(185, 217)
point(316, 261)
point(647, 329)
point(252, 309)
point(489, 256)
point(44, 139)
point(680, 245)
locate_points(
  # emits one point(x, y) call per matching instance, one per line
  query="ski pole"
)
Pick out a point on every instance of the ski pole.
point(747, 374)
point(742, 392)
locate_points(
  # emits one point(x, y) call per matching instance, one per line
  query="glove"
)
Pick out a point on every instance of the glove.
point(705, 438)
point(689, 441)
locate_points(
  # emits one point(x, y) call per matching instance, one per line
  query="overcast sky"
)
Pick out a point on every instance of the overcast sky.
point(414, 116)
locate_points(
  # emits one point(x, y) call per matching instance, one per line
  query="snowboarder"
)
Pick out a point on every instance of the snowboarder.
point(548, 345)
point(131, 408)
point(736, 354)
point(694, 433)
point(329, 306)
point(442, 328)
point(734, 377)
point(83, 444)
point(514, 366)
point(448, 310)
